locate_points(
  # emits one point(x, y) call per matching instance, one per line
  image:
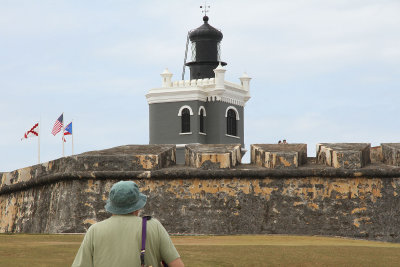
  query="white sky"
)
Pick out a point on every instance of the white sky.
point(323, 71)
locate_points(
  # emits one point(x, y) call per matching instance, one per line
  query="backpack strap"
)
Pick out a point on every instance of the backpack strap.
point(144, 228)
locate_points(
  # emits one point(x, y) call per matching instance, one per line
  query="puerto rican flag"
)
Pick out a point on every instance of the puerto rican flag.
point(34, 131)
point(67, 131)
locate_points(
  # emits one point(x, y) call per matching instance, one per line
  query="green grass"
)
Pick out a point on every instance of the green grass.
point(38, 250)
point(246, 250)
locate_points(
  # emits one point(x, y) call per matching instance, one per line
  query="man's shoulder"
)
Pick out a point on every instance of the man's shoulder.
point(154, 221)
point(99, 224)
point(155, 225)
point(107, 222)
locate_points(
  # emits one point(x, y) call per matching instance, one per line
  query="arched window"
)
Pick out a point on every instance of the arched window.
point(202, 121)
point(185, 119)
point(231, 128)
point(202, 114)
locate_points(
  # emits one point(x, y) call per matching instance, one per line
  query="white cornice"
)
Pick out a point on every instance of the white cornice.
point(201, 90)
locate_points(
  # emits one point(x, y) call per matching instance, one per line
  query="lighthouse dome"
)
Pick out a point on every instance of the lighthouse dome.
point(205, 31)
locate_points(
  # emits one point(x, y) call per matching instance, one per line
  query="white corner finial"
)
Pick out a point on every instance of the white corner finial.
point(166, 78)
point(244, 75)
point(219, 76)
point(245, 81)
point(219, 67)
point(166, 71)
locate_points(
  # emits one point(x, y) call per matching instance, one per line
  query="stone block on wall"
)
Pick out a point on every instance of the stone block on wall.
point(18, 176)
point(344, 155)
point(279, 156)
point(213, 156)
point(376, 154)
point(122, 158)
point(131, 158)
point(391, 153)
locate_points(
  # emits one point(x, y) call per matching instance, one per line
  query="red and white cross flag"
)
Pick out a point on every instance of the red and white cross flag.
point(32, 132)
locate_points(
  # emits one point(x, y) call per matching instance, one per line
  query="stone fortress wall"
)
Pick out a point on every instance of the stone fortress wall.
point(349, 190)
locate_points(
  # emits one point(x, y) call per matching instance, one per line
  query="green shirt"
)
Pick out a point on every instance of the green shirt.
point(117, 242)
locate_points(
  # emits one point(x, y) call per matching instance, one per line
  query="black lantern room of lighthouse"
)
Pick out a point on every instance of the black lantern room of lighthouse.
point(205, 47)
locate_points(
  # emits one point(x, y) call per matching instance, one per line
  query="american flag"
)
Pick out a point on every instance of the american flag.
point(58, 125)
point(32, 132)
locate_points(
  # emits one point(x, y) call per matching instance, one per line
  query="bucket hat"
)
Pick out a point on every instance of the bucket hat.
point(125, 198)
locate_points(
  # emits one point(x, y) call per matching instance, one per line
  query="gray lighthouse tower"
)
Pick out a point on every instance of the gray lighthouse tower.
point(203, 110)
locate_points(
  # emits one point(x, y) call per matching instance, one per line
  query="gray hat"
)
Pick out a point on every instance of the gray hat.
point(125, 198)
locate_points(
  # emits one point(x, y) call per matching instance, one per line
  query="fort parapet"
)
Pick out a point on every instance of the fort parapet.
point(349, 190)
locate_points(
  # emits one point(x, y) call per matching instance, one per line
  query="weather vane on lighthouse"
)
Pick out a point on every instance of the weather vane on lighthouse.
point(206, 8)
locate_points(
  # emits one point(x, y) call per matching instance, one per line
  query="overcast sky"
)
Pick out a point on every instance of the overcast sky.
point(322, 71)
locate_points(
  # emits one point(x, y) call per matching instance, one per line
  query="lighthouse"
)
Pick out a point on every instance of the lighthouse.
point(206, 51)
point(206, 109)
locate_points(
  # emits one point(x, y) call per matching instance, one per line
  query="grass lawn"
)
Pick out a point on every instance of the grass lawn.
point(243, 250)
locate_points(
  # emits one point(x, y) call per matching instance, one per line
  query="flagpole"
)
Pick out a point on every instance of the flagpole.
point(40, 123)
point(62, 135)
point(72, 136)
point(62, 140)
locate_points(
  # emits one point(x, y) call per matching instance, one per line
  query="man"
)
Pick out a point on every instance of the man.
point(117, 240)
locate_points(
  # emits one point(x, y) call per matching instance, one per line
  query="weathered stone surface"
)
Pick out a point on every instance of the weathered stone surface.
point(65, 207)
point(353, 207)
point(122, 158)
point(391, 153)
point(376, 154)
point(344, 155)
point(141, 157)
point(247, 199)
point(219, 156)
point(279, 156)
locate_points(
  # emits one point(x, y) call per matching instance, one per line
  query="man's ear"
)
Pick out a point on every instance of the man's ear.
point(137, 212)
